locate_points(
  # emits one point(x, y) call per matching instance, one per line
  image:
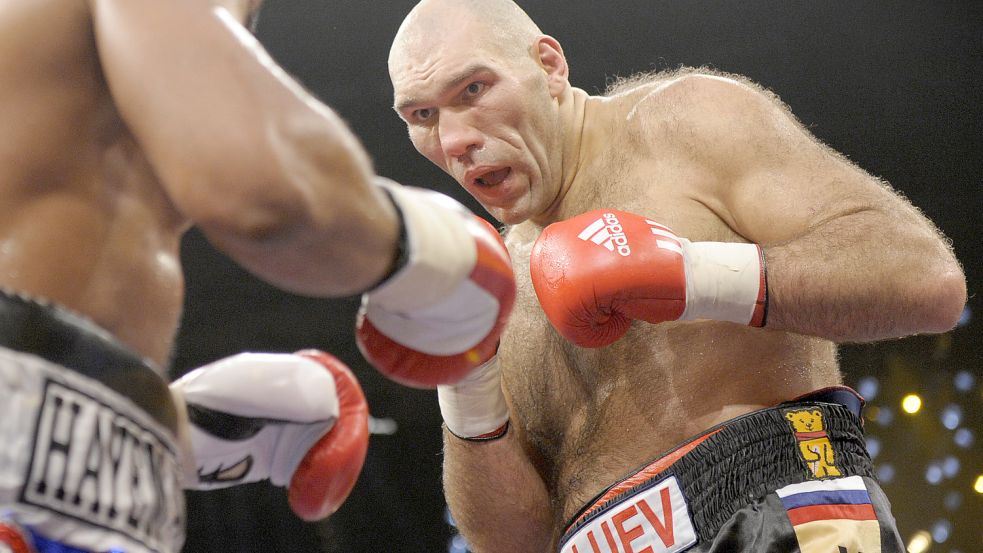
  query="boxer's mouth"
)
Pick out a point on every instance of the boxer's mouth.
point(488, 177)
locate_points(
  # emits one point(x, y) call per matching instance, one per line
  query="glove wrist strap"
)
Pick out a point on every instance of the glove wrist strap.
point(725, 281)
point(475, 408)
point(401, 256)
point(439, 251)
point(499, 432)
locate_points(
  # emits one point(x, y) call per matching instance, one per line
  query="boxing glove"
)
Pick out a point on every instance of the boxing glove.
point(440, 316)
point(595, 273)
point(298, 420)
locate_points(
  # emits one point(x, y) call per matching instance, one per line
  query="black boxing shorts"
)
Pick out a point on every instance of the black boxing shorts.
point(90, 461)
point(796, 477)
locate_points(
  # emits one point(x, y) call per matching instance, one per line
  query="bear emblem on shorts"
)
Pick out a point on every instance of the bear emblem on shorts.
point(814, 445)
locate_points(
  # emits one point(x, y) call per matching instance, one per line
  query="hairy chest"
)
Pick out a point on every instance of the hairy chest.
point(560, 393)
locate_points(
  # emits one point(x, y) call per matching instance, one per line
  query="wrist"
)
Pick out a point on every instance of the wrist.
point(475, 408)
point(725, 281)
point(435, 253)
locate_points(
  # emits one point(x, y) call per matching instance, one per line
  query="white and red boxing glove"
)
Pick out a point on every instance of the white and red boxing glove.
point(299, 420)
point(600, 270)
point(441, 314)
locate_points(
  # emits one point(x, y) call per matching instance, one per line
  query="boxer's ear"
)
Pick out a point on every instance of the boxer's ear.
point(549, 56)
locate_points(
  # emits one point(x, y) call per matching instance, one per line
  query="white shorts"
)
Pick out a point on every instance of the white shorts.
point(82, 464)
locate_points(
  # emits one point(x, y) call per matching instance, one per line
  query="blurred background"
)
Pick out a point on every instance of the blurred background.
point(896, 86)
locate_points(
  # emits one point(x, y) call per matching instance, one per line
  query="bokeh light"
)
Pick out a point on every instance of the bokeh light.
point(920, 542)
point(964, 438)
point(941, 531)
point(964, 381)
point(953, 500)
point(950, 466)
point(868, 387)
point(952, 416)
point(873, 446)
point(911, 404)
point(885, 416)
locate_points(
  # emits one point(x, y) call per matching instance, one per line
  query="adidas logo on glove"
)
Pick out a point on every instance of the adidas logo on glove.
point(608, 232)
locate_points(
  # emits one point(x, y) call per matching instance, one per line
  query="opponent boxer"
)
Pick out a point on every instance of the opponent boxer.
point(689, 256)
point(125, 122)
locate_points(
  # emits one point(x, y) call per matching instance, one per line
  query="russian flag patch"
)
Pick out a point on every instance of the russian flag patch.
point(832, 515)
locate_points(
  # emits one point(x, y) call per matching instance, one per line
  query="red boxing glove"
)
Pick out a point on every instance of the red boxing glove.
point(327, 474)
point(600, 270)
point(441, 315)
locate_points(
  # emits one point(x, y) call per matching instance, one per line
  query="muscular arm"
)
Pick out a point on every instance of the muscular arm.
point(273, 177)
point(498, 501)
point(848, 258)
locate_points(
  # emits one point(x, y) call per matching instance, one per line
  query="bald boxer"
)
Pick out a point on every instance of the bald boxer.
point(688, 257)
point(125, 122)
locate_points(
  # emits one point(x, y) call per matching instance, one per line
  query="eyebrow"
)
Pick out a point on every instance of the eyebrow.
point(459, 77)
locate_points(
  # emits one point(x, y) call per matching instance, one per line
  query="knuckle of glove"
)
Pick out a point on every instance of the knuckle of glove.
point(326, 474)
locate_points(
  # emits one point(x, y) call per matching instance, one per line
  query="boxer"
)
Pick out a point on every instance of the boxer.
point(127, 122)
point(687, 256)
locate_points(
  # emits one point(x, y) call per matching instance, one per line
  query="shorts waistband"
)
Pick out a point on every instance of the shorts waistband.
point(56, 334)
point(730, 465)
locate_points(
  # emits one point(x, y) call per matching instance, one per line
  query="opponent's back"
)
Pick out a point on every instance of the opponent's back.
point(83, 221)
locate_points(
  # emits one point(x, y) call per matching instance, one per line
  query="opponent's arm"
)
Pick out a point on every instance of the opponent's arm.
point(273, 177)
point(847, 257)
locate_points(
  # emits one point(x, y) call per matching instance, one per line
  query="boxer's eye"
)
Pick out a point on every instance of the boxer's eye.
point(474, 89)
point(423, 114)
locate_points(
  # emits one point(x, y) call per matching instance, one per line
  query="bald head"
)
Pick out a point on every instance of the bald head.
point(499, 26)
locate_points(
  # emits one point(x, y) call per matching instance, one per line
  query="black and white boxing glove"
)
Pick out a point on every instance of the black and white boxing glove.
point(298, 420)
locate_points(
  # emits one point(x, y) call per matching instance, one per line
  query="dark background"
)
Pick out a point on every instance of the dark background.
point(896, 86)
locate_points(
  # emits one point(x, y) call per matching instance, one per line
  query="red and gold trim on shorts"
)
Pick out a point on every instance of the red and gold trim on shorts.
point(646, 511)
point(642, 476)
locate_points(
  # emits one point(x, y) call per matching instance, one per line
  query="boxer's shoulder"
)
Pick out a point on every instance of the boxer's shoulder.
point(688, 101)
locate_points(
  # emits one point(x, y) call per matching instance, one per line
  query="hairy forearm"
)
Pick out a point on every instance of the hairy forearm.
point(865, 276)
point(498, 501)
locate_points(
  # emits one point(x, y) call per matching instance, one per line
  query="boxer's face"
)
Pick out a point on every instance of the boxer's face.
point(483, 115)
